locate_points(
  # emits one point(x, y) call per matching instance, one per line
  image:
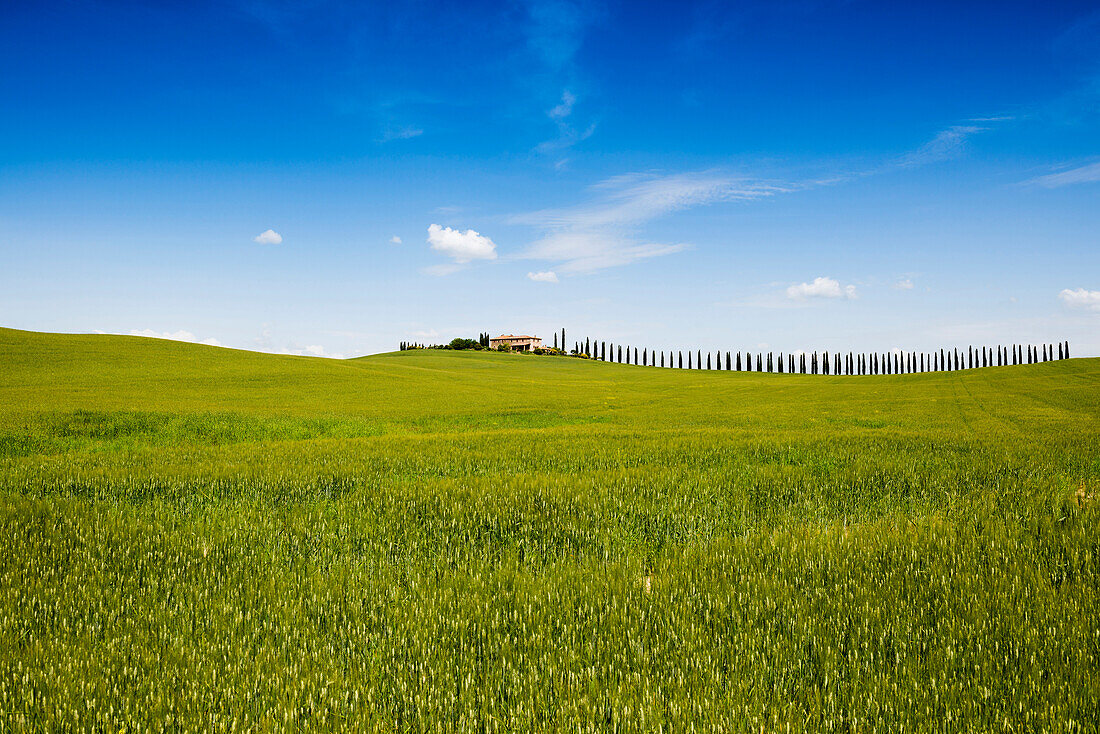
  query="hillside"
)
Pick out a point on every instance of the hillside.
point(61, 372)
point(431, 538)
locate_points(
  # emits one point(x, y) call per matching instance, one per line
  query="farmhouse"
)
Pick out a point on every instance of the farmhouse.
point(518, 343)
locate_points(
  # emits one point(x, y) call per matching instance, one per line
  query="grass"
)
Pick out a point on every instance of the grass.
point(200, 538)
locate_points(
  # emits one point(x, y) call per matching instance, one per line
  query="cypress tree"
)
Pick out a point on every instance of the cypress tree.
point(759, 362)
point(662, 358)
point(729, 365)
point(681, 360)
point(619, 356)
point(738, 365)
point(780, 363)
point(708, 360)
point(689, 359)
point(1066, 350)
point(563, 342)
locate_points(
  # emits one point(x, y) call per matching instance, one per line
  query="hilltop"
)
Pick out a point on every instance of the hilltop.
point(62, 372)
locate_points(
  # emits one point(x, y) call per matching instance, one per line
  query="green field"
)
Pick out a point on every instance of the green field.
point(200, 538)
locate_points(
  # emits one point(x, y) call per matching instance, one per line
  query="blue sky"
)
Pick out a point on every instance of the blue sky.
point(780, 175)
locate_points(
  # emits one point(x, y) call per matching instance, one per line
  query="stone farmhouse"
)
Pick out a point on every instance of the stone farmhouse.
point(518, 343)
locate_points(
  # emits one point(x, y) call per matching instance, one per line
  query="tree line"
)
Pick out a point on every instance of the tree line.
point(825, 362)
point(482, 342)
point(804, 363)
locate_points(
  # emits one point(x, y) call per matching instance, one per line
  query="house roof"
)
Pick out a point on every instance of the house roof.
point(514, 336)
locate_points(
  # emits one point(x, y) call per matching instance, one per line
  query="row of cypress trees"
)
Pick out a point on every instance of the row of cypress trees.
point(825, 363)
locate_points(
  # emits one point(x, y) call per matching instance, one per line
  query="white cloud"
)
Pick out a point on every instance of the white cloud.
point(821, 288)
point(568, 99)
point(905, 284)
point(268, 237)
point(548, 276)
point(462, 247)
point(602, 234)
point(1082, 174)
point(395, 240)
point(1081, 298)
point(180, 336)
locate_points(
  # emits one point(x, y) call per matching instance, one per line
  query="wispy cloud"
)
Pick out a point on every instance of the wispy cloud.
point(399, 133)
point(555, 30)
point(316, 350)
point(443, 269)
point(822, 287)
point(904, 284)
point(181, 335)
point(395, 240)
point(946, 144)
point(604, 233)
point(565, 107)
point(266, 343)
point(1082, 174)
